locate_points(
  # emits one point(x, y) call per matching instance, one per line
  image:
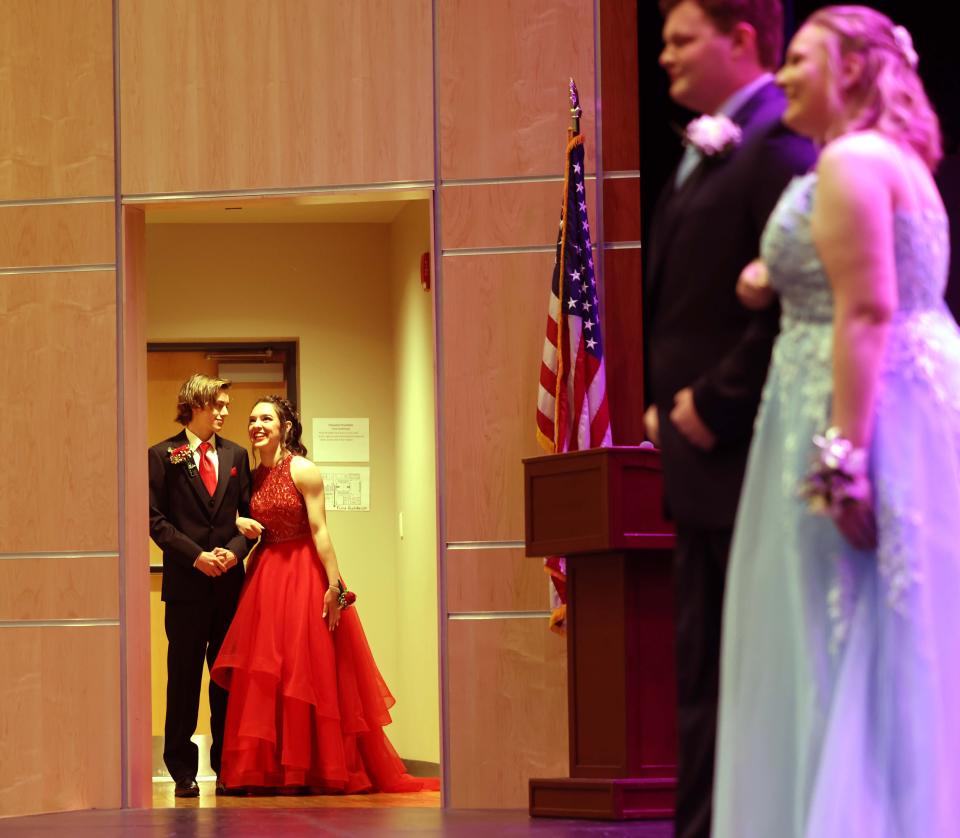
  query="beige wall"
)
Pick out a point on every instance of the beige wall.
point(417, 714)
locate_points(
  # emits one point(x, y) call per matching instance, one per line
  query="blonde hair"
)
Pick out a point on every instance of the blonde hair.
point(196, 393)
point(889, 96)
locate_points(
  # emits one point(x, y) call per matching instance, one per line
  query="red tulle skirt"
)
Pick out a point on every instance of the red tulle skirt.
point(307, 706)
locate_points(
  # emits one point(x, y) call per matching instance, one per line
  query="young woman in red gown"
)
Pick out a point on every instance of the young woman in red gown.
point(307, 703)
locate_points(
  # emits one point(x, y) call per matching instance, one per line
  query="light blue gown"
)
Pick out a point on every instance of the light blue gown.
point(840, 679)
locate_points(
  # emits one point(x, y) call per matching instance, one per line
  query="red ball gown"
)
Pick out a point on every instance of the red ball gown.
point(307, 706)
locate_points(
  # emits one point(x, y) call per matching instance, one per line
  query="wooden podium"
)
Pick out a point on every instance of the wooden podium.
point(602, 509)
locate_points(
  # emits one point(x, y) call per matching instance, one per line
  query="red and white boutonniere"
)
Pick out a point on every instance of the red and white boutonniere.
point(233, 471)
point(182, 455)
point(713, 136)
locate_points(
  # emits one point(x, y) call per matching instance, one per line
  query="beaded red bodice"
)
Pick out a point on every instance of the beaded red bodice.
point(277, 503)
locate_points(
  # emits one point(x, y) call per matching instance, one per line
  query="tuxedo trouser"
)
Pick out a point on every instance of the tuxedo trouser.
point(195, 631)
point(700, 565)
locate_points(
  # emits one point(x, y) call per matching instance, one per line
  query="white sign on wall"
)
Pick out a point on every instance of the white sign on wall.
point(341, 440)
point(346, 488)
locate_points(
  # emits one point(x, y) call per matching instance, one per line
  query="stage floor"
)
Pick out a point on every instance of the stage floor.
point(298, 817)
point(163, 799)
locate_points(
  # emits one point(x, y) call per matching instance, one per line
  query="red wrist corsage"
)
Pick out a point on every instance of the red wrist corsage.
point(345, 598)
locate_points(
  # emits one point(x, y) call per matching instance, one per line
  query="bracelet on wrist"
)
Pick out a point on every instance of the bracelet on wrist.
point(838, 475)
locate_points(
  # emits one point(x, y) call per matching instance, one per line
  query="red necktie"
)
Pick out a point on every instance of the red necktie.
point(208, 473)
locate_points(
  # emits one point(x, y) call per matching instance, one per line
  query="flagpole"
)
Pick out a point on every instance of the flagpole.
point(575, 109)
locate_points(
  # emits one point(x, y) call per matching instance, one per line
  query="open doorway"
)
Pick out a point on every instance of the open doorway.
point(337, 290)
point(255, 369)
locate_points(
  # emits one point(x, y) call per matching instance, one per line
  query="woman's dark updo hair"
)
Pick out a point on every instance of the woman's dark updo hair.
point(286, 412)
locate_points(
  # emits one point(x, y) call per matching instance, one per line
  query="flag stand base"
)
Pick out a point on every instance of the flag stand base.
point(602, 799)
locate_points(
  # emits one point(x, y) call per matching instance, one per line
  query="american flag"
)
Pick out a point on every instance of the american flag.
point(572, 409)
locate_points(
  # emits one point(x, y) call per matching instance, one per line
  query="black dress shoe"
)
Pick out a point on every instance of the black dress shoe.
point(187, 788)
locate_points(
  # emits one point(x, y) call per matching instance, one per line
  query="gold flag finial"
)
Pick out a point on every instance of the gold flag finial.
point(575, 109)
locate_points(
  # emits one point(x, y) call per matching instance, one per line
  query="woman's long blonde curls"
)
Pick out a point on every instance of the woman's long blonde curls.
point(889, 96)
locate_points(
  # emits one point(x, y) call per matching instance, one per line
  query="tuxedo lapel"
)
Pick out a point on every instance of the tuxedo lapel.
point(668, 214)
point(756, 112)
point(753, 114)
point(196, 484)
point(191, 475)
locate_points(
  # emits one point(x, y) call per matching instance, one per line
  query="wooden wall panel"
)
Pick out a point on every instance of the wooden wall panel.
point(51, 235)
point(249, 95)
point(620, 79)
point(621, 209)
point(62, 588)
point(56, 83)
point(507, 720)
point(136, 502)
point(500, 579)
point(494, 318)
point(59, 694)
point(621, 217)
point(506, 214)
point(624, 345)
point(504, 70)
point(58, 490)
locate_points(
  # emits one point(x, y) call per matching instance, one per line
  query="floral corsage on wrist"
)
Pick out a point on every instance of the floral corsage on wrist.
point(839, 475)
point(713, 136)
point(345, 598)
point(183, 455)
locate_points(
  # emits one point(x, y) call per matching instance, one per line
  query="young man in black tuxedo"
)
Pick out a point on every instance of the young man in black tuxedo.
point(707, 355)
point(199, 483)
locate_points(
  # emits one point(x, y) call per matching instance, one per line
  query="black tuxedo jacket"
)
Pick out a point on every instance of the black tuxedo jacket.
point(185, 519)
point(698, 335)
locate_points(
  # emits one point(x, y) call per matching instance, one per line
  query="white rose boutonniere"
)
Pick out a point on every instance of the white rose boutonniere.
point(713, 136)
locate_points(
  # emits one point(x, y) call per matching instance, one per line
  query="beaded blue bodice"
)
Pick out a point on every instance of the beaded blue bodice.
point(921, 326)
point(922, 252)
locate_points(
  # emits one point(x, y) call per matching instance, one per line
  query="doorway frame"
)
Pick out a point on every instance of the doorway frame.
point(291, 348)
point(136, 736)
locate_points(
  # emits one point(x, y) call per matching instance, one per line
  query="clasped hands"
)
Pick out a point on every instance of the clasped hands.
point(215, 562)
point(218, 561)
point(685, 419)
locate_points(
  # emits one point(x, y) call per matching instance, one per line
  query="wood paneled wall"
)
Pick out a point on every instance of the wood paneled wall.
point(623, 292)
point(502, 77)
point(306, 95)
point(250, 95)
point(56, 83)
point(59, 568)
